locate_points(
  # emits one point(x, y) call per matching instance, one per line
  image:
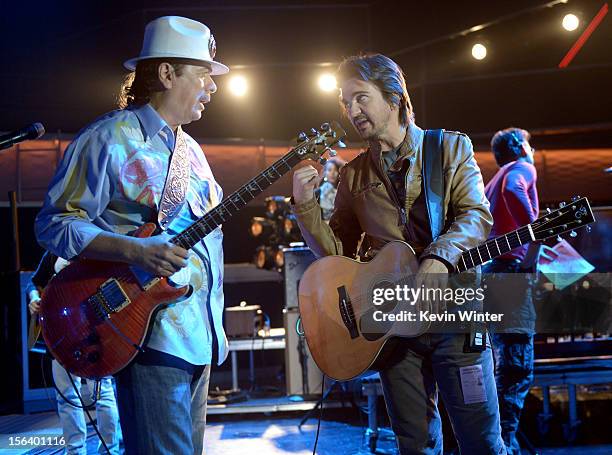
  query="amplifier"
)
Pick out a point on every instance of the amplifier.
point(297, 261)
point(242, 321)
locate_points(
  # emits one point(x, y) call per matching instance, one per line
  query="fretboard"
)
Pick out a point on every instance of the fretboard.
point(236, 201)
point(494, 248)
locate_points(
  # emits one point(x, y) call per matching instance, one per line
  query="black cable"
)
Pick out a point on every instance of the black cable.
point(82, 405)
point(85, 408)
point(44, 378)
point(42, 371)
point(314, 449)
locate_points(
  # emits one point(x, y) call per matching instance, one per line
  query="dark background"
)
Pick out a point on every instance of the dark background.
point(62, 62)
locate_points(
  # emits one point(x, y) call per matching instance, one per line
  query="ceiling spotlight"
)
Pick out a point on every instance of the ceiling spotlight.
point(570, 22)
point(327, 82)
point(479, 51)
point(238, 85)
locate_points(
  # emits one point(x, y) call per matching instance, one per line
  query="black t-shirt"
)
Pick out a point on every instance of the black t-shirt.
point(419, 229)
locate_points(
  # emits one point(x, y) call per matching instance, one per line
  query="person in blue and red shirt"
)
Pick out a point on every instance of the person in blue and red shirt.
point(513, 195)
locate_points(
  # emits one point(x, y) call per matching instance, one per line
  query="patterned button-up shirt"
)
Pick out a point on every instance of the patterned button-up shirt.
point(111, 178)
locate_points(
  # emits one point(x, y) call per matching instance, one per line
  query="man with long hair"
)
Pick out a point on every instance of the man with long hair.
point(136, 165)
point(384, 194)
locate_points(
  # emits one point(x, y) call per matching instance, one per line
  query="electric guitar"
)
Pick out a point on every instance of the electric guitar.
point(95, 315)
point(336, 300)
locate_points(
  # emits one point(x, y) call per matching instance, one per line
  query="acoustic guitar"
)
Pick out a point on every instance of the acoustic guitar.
point(336, 297)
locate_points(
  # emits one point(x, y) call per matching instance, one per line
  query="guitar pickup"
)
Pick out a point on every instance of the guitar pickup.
point(113, 296)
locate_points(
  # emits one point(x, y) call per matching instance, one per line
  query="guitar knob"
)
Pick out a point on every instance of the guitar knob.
point(93, 357)
point(573, 234)
point(93, 338)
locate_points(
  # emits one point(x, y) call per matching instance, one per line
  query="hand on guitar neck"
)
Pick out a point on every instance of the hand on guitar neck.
point(305, 180)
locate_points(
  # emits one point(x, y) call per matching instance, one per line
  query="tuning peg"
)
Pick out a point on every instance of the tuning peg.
point(561, 205)
point(573, 234)
point(313, 132)
point(548, 210)
point(302, 137)
point(575, 198)
point(559, 238)
point(589, 229)
point(325, 126)
point(332, 153)
point(341, 144)
point(322, 161)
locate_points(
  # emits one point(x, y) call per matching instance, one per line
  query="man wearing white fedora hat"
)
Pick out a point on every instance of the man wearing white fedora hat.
point(137, 165)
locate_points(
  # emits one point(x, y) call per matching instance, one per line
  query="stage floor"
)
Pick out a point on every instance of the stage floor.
point(231, 435)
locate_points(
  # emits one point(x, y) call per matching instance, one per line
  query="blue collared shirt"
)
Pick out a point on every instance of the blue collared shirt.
point(111, 178)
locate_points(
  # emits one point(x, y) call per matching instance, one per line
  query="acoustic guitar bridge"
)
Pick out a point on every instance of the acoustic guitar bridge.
point(346, 312)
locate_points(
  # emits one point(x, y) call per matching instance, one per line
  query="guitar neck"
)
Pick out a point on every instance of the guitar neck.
point(494, 248)
point(237, 200)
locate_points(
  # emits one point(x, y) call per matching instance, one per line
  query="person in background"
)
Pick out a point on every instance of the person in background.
point(326, 193)
point(513, 195)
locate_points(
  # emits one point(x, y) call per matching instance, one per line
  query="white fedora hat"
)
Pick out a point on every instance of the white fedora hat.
point(178, 37)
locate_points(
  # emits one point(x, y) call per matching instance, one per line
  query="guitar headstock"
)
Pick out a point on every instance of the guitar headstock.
point(314, 144)
point(568, 217)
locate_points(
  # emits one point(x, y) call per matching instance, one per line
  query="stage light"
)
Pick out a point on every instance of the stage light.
point(290, 229)
point(479, 51)
point(269, 257)
point(261, 226)
point(279, 257)
point(570, 22)
point(264, 258)
point(238, 85)
point(327, 82)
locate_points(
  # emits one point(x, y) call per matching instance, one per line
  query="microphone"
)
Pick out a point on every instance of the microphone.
point(33, 131)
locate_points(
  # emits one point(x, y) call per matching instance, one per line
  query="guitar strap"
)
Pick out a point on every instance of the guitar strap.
point(433, 184)
point(177, 182)
point(433, 181)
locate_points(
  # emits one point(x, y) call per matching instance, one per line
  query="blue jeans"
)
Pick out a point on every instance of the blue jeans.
point(72, 419)
point(417, 370)
point(514, 375)
point(162, 409)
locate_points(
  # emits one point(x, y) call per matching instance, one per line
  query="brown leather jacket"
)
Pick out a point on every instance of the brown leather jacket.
point(364, 205)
